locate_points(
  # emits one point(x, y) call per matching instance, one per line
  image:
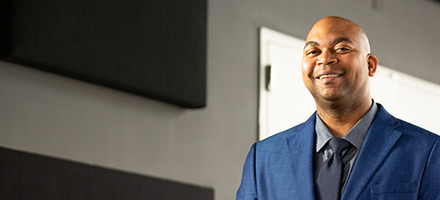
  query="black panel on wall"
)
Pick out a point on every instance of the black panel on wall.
point(154, 48)
point(29, 176)
point(5, 27)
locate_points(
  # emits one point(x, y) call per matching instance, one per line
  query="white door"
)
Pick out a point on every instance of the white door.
point(285, 101)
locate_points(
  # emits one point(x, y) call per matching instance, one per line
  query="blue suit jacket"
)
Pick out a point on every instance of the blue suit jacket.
point(397, 161)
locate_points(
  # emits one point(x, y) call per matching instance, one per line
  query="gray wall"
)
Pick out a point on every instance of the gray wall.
point(52, 115)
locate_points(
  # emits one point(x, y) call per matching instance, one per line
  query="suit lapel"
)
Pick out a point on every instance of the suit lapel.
point(301, 146)
point(380, 139)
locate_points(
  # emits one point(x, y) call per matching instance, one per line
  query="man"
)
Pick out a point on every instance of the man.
point(351, 147)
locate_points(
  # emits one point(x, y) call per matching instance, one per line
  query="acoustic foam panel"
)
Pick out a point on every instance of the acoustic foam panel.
point(30, 176)
point(154, 48)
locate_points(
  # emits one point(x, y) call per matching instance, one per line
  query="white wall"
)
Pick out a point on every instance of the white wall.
point(407, 97)
point(61, 117)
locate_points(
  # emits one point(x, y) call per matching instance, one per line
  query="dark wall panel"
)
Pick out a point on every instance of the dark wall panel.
point(154, 48)
point(5, 27)
point(29, 176)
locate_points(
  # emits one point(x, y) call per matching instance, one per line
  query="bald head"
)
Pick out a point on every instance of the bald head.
point(333, 24)
point(336, 66)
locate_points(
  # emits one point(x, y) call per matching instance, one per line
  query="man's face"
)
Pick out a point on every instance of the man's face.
point(335, 61)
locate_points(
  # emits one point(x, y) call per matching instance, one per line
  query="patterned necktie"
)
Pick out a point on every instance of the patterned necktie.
point(330, 174)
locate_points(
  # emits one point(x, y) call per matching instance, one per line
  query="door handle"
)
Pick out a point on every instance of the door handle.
point(269, 77)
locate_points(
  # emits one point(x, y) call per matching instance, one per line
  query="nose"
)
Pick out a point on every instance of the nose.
point(326, 58)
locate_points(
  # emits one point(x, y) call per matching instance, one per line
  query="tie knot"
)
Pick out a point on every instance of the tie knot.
point(338, 145)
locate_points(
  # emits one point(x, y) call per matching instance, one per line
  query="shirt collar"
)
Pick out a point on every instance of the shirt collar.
point(356, 135)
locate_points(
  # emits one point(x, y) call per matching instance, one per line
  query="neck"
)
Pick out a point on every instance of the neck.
point(341, 117)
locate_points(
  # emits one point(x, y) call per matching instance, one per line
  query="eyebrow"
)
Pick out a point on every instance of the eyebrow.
point(311, 43)
point(342, 39)
point(336, 41)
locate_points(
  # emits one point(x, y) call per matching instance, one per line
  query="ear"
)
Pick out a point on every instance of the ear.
point(372, 64)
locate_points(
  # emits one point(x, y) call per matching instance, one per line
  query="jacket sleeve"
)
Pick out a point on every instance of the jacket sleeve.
point(431, 178)
point(248, 186)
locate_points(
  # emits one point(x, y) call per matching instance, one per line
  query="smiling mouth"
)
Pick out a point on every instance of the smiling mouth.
point(328, 76)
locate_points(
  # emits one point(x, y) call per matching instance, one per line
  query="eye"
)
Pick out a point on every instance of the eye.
point(342, 49)
point(311, 52)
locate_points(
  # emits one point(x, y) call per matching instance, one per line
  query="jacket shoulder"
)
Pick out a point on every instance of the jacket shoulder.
point(406, 128)
point(416, 131)
point(280, 138)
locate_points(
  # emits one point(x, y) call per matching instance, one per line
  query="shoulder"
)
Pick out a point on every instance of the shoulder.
point(414, 131)
point(410, 131)
point(299, 132)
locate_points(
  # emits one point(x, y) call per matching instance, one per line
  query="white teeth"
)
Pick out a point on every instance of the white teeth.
point(328, 76)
